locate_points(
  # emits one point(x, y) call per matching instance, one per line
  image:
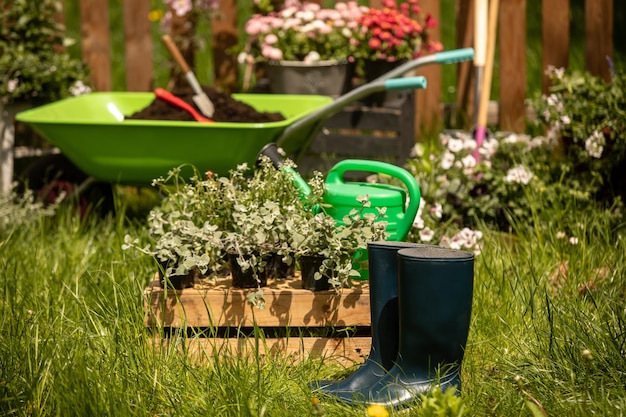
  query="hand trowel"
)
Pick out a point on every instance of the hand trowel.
point(200, 98)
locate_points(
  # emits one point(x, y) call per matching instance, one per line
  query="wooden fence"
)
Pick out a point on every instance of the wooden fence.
point(512, 29)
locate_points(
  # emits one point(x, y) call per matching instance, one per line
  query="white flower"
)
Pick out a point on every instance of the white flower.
point(447, 160)
point(437, 210)
point(12, 85)
point(426, 234)
point(594, 145)
point(418, 222)
point(455, 145)
point(79, 88)
point(518, 174)
point(469, 161)
point(573, 240)
point(312, 56)
point(489, 147)
point(560, 235)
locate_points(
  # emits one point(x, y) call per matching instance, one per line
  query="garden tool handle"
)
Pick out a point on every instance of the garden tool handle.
point(177, 101)
point(405, 83)
point(454, 56)
point(335, 176)
point(178, 57)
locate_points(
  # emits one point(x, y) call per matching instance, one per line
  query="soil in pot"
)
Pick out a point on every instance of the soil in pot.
point(227, 109)
point(245, 279)
point(309, 265)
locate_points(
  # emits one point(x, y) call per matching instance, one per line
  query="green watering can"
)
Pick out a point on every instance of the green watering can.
point(341, 195)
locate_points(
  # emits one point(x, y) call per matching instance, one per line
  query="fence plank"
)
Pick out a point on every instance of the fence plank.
point(466, 91)
point(598, 36)
point(225, 36)
point(94, 15)
point(428, 102)
point(512, 41)
point(555, 36)
point(138, 40)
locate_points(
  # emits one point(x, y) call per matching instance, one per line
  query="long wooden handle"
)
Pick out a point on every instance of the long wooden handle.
point(491, 47)
point(178, 57)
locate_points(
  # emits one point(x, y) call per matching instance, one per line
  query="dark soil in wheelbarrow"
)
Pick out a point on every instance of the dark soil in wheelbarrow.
point(227, 109)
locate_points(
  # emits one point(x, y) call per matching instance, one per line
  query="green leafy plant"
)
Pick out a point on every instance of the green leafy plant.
point(321, 235)
point(588, 117)
point(33, 64)
point(17, 209)
point(439, 403)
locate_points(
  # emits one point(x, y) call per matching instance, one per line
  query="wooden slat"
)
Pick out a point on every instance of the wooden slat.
point(346, 351)
point(598, 36)
point(555, 36)
point(287, 305)
point(428, 111)
point(225, 35)
point(512, 41)
point(138, 50)
point(96, 46)
point(466, 91)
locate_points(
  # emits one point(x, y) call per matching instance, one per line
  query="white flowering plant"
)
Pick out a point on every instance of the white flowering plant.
point(302, 31)
point(588, 116)
point(465, 187)
point(33, 63)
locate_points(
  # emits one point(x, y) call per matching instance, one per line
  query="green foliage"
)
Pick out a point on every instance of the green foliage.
point(588, 116)
point(442, 404)
point(252, 213)
point(33, 65)
point(20, 210)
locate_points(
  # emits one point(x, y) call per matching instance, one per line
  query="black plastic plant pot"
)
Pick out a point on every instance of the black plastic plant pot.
point(245, 279)
point(174, 282)
point(277, 268)
point(309, 265)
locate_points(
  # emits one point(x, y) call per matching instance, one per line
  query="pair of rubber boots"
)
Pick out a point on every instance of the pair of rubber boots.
point(420, 302)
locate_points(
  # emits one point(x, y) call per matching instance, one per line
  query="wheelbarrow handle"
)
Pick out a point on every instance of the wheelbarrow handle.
point(446, 57)
point(311, 123)
point(405, 83)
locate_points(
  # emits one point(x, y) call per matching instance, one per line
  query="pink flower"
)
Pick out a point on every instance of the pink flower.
point(272, 53)
point(271, 39)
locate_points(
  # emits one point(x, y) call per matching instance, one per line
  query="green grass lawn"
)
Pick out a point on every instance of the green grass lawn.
point(548, 328)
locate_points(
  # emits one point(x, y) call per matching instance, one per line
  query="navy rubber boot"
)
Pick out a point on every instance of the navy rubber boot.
point(435, 289)
point(383, 285)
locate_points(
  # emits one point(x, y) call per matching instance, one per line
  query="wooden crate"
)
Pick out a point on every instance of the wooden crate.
point(295, 322)
point(384, 133)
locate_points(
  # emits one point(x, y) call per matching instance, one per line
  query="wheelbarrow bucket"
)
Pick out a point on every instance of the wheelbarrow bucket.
point(90, 131)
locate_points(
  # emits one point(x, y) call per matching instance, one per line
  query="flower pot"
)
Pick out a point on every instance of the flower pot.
point(246, 279)
point(309, 265)
point(277, 268)
point(175, 282)
point(328, 78)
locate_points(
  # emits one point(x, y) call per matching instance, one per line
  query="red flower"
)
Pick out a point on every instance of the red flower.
point(374, 43)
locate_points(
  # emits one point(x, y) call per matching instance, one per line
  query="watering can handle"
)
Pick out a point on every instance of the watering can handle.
point(335, 176)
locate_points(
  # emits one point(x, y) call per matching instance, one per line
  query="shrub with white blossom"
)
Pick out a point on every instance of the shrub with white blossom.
point(465, 188)
point(588, 116)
